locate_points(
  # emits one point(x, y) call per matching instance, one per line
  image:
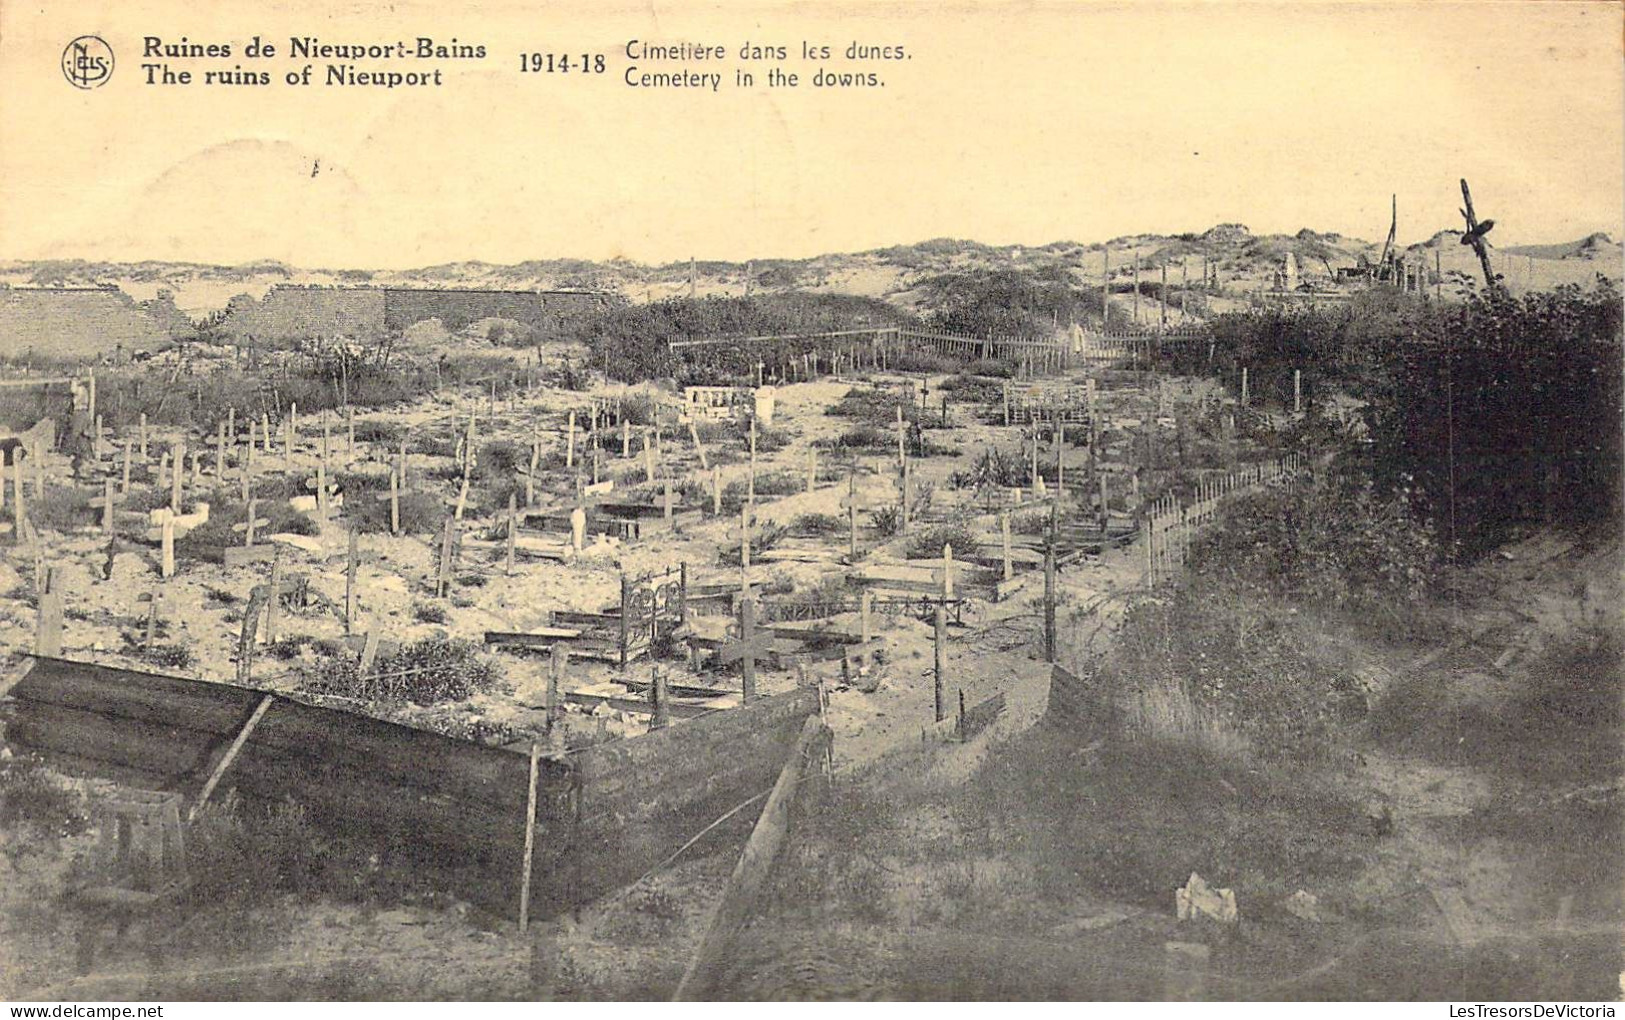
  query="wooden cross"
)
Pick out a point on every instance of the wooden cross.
point(155, 602)
point(902, 452)
point(19, 513)
point(750, 486)
point(352, 562)
point(324, 490)
point(448, 547)
point(393, 498)
point(48, 635)
point(659, 710)
point(749, 647)
point(106, 502)
point(513, 532)
point(219, 443)
point(166, 542)
point(850, 504)
point(908, 489)
point(1004, 535)
point(1474, 238)
point(699, 448)
point(530, 475)
point(251, 524)
point(570, 442)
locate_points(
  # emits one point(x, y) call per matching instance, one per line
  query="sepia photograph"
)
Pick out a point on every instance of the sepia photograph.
point(834, 500)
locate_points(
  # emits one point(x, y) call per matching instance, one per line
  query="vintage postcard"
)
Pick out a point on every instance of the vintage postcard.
point(816, 500)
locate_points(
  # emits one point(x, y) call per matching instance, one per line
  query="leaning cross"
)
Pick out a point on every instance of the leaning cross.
point(750, 647)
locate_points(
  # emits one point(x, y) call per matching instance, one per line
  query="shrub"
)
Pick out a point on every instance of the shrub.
point(1331, 543)
point(31, 795)
point(888, 520)
point(762, 537)
point(969, 388)
point(815, 525)
point(928, 543)
point(168, 656)
point(769, 483)
point(421, 513)
point(61, 509)
point(426, 672)
point(862, 437)
point(875, 406)
point(428, 612)
point(993, 469)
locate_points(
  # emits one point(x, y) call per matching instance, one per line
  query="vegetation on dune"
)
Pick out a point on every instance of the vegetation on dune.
point(1485, 412)
point(630, 343)
point(1007, 302)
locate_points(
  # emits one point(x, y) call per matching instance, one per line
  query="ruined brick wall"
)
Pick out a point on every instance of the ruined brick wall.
point(74, 322)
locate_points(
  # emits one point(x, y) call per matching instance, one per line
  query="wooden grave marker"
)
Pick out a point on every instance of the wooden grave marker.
point(749, 647)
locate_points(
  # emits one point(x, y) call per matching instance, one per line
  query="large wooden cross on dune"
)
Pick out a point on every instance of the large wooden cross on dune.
point(1474, 237)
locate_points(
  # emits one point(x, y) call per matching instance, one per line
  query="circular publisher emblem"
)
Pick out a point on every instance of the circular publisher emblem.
point(88, 62)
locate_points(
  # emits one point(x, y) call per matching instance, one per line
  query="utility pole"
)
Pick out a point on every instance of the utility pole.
point(1105, 289)
point(1136, 287)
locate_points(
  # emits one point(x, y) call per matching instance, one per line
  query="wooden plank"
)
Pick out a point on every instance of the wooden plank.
point(230, 755)
point(530, 840)
point(15, 676)
point(299, 732)
point(638, 706)
point(538, 636)
point(755, 866)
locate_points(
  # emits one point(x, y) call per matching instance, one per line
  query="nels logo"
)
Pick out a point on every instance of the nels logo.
point(88, 62)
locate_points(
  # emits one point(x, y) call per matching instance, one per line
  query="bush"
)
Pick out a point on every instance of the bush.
point(888, 520)
point(61, 509)
point(630, 342)
point(862, 437)
point(1329, 543)
point(816, 525)
point(175, 657)
point(875, 406)
point(928, 543)
point(426, 672)
point(1230, 655)
point(770, 483)
point(421, 513)
point(32, 796)
point(428, 612)
point(994, 469)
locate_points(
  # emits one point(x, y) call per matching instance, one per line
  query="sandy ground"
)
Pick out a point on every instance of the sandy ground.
point(995, 649)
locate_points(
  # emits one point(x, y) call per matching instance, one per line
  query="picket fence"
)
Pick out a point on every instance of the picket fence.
point(1171, 525)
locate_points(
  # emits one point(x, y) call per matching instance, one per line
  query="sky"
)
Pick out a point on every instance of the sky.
point(1009, 123)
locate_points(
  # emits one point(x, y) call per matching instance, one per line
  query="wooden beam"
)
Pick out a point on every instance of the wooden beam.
point(230, 755)
point(755, 866)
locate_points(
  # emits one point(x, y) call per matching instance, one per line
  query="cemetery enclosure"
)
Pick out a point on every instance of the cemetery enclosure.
point(603, 815)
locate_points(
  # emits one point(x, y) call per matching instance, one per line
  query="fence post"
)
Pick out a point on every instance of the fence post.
point(1049, 595)
point(530, 839)
point(941, 643)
